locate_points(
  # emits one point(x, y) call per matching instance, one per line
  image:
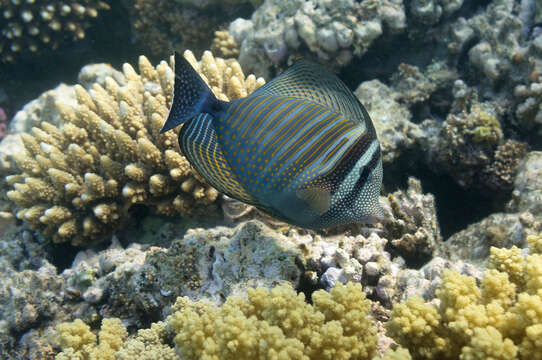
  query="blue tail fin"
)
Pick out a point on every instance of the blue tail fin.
point(191, 96)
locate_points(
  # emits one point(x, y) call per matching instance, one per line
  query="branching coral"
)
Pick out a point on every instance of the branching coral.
point(500, 319)
point(78, 342)
point(224, 45)
point(269, 324)
point(77, 181)
point(277, 324)
point(28, 26)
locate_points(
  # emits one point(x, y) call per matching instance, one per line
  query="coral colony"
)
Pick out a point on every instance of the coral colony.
point(115, 245)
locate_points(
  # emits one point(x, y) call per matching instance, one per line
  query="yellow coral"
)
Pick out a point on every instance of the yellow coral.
point(224, 45)
point(419, 325)
point(78, 342)
point(397, 354)
point(487, 343)
point(500, 320)
point(77, 181)
point(277, 324)
point(535, 243)
point(148, 344)
point(508, 261)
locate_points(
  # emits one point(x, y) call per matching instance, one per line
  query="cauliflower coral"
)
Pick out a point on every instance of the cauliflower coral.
point(277, 324)
point(500, 319)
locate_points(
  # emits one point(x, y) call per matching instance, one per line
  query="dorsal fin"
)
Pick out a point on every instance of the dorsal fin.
point(310, 81)
point(191, 95)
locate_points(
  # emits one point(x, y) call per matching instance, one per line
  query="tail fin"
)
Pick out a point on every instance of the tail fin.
point(191, 95)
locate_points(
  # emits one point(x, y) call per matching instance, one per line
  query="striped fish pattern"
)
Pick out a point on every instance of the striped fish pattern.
point(301, 148)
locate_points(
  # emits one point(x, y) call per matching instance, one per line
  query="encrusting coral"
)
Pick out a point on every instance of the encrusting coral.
point(77, 181)
point(499, 319)
point(28, 25)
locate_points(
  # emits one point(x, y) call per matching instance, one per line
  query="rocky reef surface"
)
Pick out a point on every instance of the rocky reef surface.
point(113, 247)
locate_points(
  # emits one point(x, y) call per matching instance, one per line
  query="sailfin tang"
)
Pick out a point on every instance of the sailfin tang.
point(199, 144)
point(318, 199)
point(309, 81)
point(191, 95)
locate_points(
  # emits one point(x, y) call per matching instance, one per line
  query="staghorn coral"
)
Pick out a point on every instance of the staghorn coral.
point(499, 319)
point(277, 324)
point(30, 26)
point(77, 180)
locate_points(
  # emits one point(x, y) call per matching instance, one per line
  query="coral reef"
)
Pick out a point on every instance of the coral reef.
point(214, 263)
point(27, 27)
point(79, 178)
point(32, 296)
point(522, 218)
point(291, 328)
point(529, 109)
point(470, 146)
point(528, 185)
point(412, 225)
point(328, 31)
point(164, 26)
point(430, 12)
point(499, 319)
point(391, 119)
point(269, 324)
point(224, 45)
point(78, 342)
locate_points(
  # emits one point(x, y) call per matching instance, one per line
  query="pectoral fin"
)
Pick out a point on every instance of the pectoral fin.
point(318, 199)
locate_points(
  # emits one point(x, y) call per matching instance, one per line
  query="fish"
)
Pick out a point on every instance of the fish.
point(301, 148)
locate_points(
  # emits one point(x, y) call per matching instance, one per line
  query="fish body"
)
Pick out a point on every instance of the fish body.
point(301, 148)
